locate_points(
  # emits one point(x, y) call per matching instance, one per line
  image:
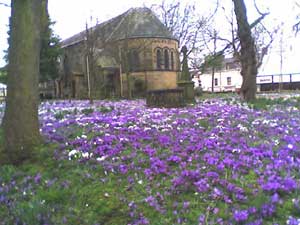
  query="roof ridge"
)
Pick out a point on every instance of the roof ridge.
point(122, 20)
point(147, 24)
point(94, 27)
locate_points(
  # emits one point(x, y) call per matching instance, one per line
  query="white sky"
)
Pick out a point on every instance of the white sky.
point(71, 16)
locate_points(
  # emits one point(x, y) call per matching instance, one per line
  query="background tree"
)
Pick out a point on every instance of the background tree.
point(214, 59)
point(99, 46)
point(184, 23)
point(50, 52)
point(263, 37)
point(296, 26)
point(4, 4)
point(3, 75)
point(96, 44)
point(125, 62)
point(91, 58)
point(20, 123)
point(247, 53)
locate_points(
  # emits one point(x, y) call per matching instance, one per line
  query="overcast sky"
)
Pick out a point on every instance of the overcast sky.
point(71, 16)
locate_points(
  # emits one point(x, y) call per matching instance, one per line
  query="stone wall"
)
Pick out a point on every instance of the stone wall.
point(74, 57)
point(153, 78)
point(168, 98)
point(163, 44)
point(147, 51)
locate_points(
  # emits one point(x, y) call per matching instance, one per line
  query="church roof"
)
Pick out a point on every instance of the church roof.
point(135, 23)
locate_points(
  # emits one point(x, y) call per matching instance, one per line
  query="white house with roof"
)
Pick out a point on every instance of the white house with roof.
point(229, 79)
point(226, 79)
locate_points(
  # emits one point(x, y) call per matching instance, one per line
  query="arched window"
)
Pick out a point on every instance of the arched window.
point(166, 59)
point(158, 59)
point(172, 60)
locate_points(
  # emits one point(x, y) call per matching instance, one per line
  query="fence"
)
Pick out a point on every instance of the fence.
point(272, 82)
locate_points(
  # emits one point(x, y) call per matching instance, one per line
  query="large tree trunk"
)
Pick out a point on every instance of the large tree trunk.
point(21, 125)
point(248, 54)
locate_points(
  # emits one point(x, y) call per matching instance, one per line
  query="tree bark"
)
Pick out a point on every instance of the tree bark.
point(20, 124)
point(248, 53)
point(213, 80)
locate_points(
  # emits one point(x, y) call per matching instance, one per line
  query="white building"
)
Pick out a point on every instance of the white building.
point(2, 91)
point(226, 79)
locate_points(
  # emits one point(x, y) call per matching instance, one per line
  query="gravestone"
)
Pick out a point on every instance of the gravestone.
point(185, 81)
point(168, 98)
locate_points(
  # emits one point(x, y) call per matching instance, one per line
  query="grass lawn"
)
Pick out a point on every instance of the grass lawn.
point(219, 161)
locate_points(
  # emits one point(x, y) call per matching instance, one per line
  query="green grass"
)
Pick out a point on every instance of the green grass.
point(207, 95)
point(264, 103)
point(67, 192)
point(52, 191)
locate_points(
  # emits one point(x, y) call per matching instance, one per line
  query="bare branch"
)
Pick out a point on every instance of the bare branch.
point(214, 12)
point(4, 4)
point(296, 27)
point(258, 20)
point(183, 22)
point(257, 9)
point(235, 38)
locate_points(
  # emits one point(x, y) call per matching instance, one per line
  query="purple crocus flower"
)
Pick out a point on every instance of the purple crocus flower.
point(37, 178)
point(240, 215)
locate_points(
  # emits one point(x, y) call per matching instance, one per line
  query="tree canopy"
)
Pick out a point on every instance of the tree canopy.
point(50, 51)
point(3, 75)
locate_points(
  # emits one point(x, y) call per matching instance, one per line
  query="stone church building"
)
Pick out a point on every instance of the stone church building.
point(134, 46)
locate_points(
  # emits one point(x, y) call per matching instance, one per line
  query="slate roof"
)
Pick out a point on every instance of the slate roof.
point(135, 23)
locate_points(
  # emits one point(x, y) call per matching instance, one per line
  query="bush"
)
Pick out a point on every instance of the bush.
point(198, 91)
point(104, 109)
point(139, 87)
point(61, 114)
point(87, 111)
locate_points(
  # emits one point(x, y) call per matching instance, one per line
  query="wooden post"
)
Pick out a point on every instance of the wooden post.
point(88, 77)
point(121, 80)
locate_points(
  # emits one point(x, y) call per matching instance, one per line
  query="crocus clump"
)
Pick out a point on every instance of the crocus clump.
point(216, 162)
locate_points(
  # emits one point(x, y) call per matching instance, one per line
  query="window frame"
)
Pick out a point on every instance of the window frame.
point(172, 60)
point(228, 81)
point(166, 59)
point(159, 64)
point(216, 83)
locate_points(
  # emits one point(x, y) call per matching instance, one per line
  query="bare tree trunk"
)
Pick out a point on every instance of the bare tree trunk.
point(213, 79)
point(21, 125)
point(248, 54)
point(214, 66)
point(129, 92)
